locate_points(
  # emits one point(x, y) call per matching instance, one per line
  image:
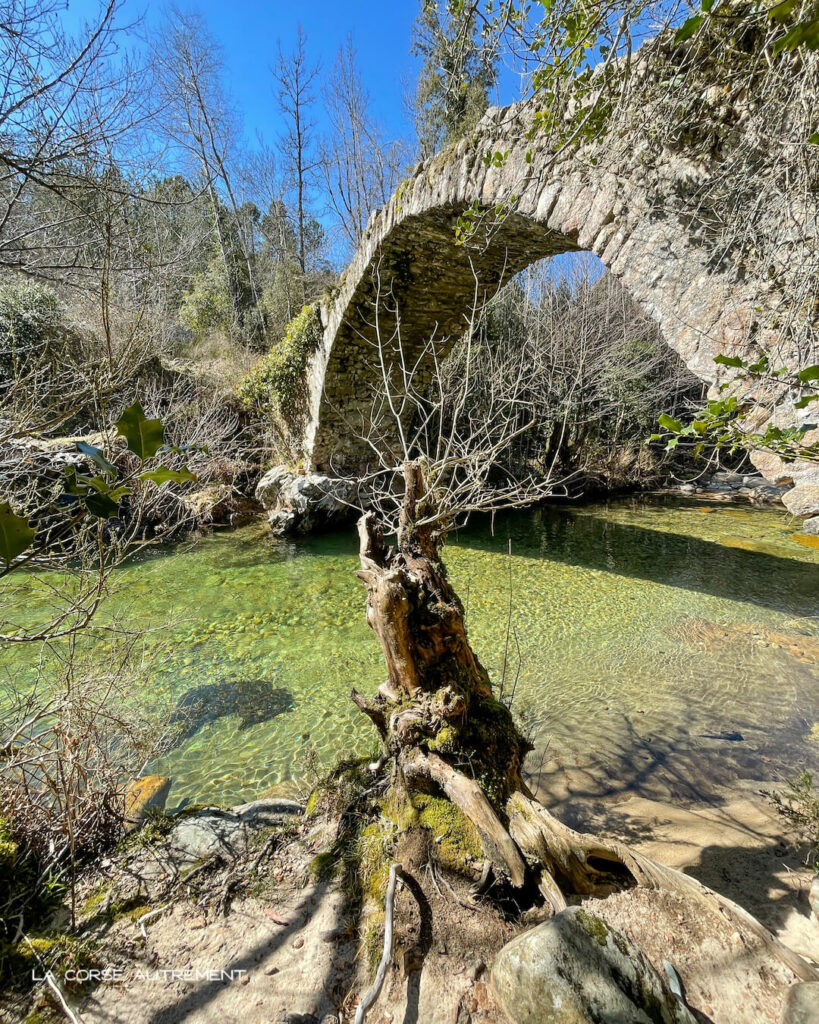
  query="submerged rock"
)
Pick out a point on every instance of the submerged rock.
point(575, 969)
point(148, 791)
point(253, 700)
point(302, 503)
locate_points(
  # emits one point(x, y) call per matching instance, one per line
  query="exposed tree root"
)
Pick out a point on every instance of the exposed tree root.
point(372, 993)
point(446, 734)
point(587, 865)
point(468, 796)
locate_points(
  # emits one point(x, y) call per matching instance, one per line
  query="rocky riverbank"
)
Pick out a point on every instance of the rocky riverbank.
point(298, 502)
point(274, 912)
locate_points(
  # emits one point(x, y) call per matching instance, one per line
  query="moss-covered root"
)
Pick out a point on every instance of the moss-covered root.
point(454, 841)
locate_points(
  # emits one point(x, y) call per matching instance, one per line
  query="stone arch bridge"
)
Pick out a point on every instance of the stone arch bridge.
point(621, 201)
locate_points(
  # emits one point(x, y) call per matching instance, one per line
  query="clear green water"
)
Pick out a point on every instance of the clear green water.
point(611, 681)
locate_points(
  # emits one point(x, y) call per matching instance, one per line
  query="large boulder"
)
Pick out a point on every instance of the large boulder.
point(299, 503)
point(575, 969)
point(802, 1004)
point(801, 477)
point(803, 500)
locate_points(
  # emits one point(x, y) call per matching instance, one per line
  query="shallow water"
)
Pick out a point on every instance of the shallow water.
point(606, 661)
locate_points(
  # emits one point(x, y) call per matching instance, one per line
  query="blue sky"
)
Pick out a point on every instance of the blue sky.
point(249, 32)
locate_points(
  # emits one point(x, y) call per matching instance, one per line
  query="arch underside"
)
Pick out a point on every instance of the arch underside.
point(422, 287)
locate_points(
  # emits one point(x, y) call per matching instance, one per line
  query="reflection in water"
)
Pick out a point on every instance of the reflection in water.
point(652, 634)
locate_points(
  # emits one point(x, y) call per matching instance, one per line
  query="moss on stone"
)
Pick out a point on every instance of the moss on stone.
point(457, 842)
point(457, 839)
point(373, 855)
point(593, 927)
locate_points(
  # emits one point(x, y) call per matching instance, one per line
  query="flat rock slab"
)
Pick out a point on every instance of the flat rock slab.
point(575, 969)
point(212, 830)
point(727, 978)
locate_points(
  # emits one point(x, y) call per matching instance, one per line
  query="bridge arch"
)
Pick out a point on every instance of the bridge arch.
point(627, 205)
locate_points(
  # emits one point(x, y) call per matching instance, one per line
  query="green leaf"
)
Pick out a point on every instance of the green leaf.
point(144, 437)
point(808, 374)
point(729, 361)
point(162, 475)
point(71, 482)
point(803, 403)
point(96, 456)
point(688, 28)
point(806, 33)
point(781, 12)
point(97, 483)
point(814, 139)
point(673, 442)
point(15, 534)
point(101, 505)
point(707, 5)
point(670, 423)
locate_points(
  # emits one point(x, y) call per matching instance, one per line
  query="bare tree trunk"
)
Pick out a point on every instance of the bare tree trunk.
point(445, 732)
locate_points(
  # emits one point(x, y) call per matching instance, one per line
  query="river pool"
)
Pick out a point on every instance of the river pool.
point(651, 644)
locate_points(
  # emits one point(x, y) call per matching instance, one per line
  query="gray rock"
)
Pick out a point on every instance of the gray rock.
point(575, 969)
point(269, 811)
point(728, 479)
point(802, 1004)
point(768, 494)
point(210, 830)
point(811, 526)
point(204, 833)
point(303, 503)
point(803, 499)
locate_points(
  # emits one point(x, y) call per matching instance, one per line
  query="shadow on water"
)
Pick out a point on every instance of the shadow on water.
point(673, 764)
point(253, 700)
point(676, 560)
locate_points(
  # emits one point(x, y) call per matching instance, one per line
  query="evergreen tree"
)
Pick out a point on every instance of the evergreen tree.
point(459, 69)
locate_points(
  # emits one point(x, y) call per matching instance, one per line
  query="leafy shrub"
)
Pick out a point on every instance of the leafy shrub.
point(277, 383)
point(207, 306)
